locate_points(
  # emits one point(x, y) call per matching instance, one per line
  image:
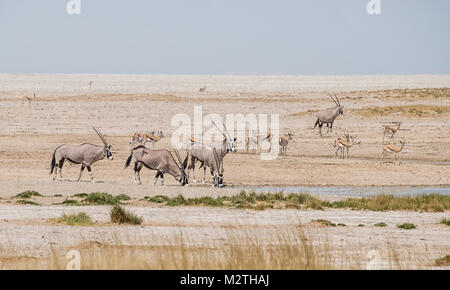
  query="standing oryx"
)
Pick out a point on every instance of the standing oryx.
point(329, 115)
point(393, 149)
point(160, 160)
point(284, 141)
point(345, 143)
point(208, 154)
point(84, 154)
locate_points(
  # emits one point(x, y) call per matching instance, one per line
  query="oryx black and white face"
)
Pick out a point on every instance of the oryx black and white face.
point(184, 179)
point(107, 151)
point(231, 144)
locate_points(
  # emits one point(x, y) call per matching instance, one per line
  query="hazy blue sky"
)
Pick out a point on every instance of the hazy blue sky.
point(225, 36)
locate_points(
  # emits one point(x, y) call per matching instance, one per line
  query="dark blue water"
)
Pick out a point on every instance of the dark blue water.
point(357, 191)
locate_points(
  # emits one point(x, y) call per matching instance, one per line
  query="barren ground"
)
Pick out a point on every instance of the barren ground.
point(66, 108)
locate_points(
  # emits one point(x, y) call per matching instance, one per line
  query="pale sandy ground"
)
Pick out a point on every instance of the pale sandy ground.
point(67, 107)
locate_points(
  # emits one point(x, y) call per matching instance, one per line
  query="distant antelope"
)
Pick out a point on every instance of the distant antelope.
point(137, 137)
point(391, 130)
point(30, 99)
point(393, 149)
point(284, 141)
point(345, 143)
point(161, 161)
point(267, 138)
point(252, 141)
point(329, 115)
point(90, 84)
point(151, 137)
point(84, 154)
point(201, 90)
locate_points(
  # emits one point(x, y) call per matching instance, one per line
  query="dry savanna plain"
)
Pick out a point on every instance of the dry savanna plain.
point(239, 226)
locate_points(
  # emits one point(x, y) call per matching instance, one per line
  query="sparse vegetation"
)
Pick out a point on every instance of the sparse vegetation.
point(101, 198)
point(260, 201)
point(408, 110)
point(81, 219)
point(30, 202)
point(27, 194)
point(445, 221)
point(325, 223)
point(431, 202)
point(406, 226)
point(80, 195)
point(70, 202)
point(443, 262)
point(380, 225)
point(121, 216)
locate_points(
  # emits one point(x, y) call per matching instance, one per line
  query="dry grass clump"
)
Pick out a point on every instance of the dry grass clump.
point(429, 202)
point(443, 262)
point(407, 110)
point(27, 194)
point(121, 216)
point(445, 221)
point(261, 201)
point(80, 219)
point(406, 226)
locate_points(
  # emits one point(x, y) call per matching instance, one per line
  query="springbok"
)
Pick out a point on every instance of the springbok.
point(160, 160)
point(84, 154)
point(267, 138)
point(345, 143)
point(391, 130)
point(137, 137)
point(393, 149)
point(151, 137)
point(252, 141)
point(205, 154)
point(30, 99)
point(284, 141)
point(329, 115)
point(201, 90)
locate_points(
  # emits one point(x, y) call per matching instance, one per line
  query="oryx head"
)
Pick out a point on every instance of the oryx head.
point(230, 143)
point(338, 103)
point(107, 148)
point(183, 179)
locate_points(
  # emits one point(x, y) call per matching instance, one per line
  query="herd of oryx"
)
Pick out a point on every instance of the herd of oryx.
point(208, 155)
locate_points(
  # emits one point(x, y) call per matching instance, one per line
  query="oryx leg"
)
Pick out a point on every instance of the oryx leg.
point(137, 168)
point(320, 128)
point(331, 128)
point(90, 172)
point(204, 174)
point(60, 165)
point(81, 172)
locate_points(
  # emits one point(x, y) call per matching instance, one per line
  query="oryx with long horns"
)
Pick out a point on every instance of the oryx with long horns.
point(211, 155)
point(161, 161)
point(329, 115)
point(85, 154)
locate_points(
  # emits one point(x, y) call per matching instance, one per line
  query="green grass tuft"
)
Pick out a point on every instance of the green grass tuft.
point(406, 226)
point(121, 216)
point(445, 222)
point(80, 195)
point(101, 198)
point(24, 201)
point(27, 194)
point(380, 225)
point(81, 219)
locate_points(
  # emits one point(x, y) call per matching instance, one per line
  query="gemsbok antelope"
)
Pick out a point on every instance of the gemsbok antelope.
point(392, 131)
point(85, 154)
point(284, 141)
point(393, 149)
point(205, 154)
point(345, 144)
point(151, 137)
point(161, 161)
point(329, 115)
